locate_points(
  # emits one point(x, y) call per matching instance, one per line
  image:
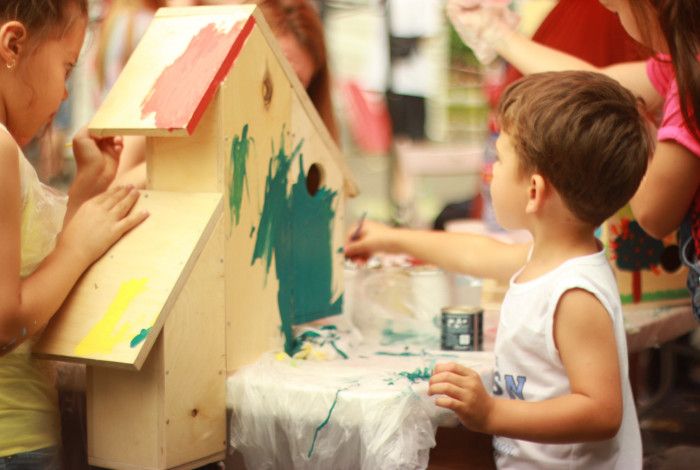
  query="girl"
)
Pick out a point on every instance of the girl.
point(668, 83)
point(40, 41)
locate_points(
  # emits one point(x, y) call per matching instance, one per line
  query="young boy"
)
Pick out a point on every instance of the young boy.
point(573, 149)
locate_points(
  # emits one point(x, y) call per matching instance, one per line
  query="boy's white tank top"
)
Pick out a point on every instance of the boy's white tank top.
point(528, 367)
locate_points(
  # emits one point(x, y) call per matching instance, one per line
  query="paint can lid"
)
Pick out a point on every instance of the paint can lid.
point(462, 310)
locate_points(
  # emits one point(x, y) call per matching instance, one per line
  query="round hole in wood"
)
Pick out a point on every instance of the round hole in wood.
point(314, 178)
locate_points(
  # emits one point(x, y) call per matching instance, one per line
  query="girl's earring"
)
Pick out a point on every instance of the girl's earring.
point(10, 65)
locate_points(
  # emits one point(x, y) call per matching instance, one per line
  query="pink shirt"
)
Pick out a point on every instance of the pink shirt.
point(672, 127)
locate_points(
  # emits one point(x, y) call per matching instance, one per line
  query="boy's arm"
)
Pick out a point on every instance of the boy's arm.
point(584, 335)
point(472, 254)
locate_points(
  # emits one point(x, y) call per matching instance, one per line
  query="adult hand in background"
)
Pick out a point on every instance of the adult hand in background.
point(482, 25)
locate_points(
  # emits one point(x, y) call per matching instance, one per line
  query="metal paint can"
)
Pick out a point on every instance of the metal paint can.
point(462, 328)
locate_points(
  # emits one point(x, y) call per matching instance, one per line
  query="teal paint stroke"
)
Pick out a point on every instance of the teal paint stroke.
point(297, 229)
point(139, 338)
point(240, 149)
point(420, 374)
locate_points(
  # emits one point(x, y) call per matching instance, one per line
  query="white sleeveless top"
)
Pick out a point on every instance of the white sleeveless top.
point(528, 367)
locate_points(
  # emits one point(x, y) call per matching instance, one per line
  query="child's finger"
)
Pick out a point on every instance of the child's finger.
point(453, 367)
point(125, 204)
point(447, 402)
point(130, 221)
point(447, 389)
point(114, 195)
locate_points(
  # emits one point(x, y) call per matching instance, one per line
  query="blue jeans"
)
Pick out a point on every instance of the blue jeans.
point(41, 459)
point(690, 258)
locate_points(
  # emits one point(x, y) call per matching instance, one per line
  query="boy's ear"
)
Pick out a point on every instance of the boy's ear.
point(536, 192)
point(13, 38)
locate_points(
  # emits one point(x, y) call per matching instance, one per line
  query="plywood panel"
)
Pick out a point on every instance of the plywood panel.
point(172, 412)
point(125, 412)
point(106, 318)
point(258, 85)
point(195, 362)
point(173, 74)
point(315, 122)
point(273, 222)
point(189, 164)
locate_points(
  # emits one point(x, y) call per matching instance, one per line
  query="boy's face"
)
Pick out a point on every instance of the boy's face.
point(509, 186)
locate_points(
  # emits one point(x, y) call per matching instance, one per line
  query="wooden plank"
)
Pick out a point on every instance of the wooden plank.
point(172, 412)
point(174, 72)
point(195, 362)
point(133, 286)
point(252, 318)
point(125, 414)
point(351, 188)
point(192, 164)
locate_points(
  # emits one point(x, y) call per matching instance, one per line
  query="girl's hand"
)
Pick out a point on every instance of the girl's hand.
point(371, 238)
point(463, 392)
point(100, 222)
point(97, 159)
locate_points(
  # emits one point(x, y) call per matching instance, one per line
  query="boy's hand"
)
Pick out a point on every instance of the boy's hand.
point(464, 393)
point(481, 24)
point(100, 222)
point(371, 238)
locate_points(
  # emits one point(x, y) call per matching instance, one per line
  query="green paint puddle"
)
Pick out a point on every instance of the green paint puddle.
point(297, 229)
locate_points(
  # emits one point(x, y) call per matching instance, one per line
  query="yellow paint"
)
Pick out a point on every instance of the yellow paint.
point(112, 330)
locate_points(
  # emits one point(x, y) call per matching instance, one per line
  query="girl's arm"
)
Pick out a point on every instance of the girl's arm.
point(583, 333)
point(667, 190)
point(530, 57)
point(26, 305)
point(472, 254)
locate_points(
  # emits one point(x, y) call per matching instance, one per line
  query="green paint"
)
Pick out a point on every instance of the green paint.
point(139, 337)
point(389, 336)
point(324, 422)
point(297, 228)
point(341, 250)
point(342, 353)
point(395, 354)
point(418, 375)
point(252, 231)
point(239, 158)
point(658, 295)
point(412, 354)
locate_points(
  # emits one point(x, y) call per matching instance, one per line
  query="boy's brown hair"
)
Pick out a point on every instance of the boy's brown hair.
point(581, 131)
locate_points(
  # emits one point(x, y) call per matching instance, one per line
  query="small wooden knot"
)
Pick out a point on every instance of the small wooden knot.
point(267, 89)
point(194, 412)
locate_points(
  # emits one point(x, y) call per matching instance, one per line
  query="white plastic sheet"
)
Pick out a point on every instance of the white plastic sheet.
point(370, 411)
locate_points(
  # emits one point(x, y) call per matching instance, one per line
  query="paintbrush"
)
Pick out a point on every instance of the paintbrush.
point(356, 234)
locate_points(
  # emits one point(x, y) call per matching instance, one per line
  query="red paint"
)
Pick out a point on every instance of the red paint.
point(186, 87)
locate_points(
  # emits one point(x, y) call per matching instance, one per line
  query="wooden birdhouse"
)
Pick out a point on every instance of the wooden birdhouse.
point(646, 269)
point(246, 193)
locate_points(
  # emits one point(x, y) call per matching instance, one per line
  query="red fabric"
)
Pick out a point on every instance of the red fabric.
point(585, 29)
